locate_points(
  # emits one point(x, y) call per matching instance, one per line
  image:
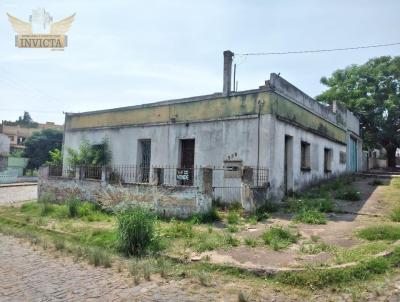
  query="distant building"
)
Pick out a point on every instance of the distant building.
point(276, 126)
point(18, 134)
point(4, 144)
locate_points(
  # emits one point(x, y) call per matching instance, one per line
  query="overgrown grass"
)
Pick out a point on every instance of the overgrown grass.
point(395, 215)
point(279, 238)
point(316, 248)
point(136, 231)
point(87, 211)
point(380, 232)
point(358, 253)
point(376, 182)
point(348, 193)
point(233, 217)
point(320, 204)
point(98, 257)
point(208, 217)
point(310, 216)
point(319, 278)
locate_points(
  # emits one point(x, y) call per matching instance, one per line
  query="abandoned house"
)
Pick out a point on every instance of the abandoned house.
point(287, 138)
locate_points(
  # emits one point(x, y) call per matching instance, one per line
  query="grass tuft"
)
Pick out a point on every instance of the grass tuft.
point(395, 215)
point(278, 238)
point(350, 194)
point(98, 257)
point(310, 216)
point(380, 232)
point(233, 217)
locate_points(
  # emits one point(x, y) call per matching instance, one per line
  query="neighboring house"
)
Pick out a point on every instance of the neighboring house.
point(18, 134)
point(4, 144)
point(276, 126)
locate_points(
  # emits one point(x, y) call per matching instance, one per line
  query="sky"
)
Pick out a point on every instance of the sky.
point(123, 53)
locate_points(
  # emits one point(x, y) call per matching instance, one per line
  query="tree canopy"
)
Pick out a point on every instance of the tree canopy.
point(24, 121)
point(372, 92)
point(98, 154)
point(40, 144)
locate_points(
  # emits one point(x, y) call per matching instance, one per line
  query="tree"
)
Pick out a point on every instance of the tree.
point(40, 144)
point(372, 92)
point(24, 121)
point(98, 154)
point(56, 158)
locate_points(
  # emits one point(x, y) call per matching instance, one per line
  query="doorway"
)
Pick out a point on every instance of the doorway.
point(187, 161)
point(288, 165)
point(144, 157)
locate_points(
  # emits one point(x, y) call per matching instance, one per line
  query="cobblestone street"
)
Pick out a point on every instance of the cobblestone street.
point(27, 275)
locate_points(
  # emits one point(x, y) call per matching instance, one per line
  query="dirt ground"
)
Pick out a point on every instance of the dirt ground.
point(339, 230)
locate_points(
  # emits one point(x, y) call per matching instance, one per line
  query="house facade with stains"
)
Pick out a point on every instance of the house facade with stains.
point(297, 140)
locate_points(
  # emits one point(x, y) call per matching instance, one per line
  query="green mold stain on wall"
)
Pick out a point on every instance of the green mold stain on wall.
point(209, 109)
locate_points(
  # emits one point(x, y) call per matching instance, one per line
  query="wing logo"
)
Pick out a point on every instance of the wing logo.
point(41, 31)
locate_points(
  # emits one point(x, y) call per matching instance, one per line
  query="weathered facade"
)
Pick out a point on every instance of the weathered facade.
point(18, 134)
point(276, 126)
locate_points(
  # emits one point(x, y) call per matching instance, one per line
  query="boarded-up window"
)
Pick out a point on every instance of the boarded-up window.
point(232, 168)
point(342, 156)
point(305, 156)
point(327, 160)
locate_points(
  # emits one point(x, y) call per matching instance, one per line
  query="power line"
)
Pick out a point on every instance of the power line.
point(316, 50)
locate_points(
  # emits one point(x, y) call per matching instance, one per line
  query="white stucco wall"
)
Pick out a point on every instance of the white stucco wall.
point(299, 178)
point(214, 141)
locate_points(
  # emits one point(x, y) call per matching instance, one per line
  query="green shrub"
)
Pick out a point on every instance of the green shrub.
point(59, 244)
point(73, 206)
point(233, 217)
point(208, 217)
point(376, 182)
point(232, 241)
point(310, 216)
point(98, 257)
point(278, 237)
point(269, 207)
point(350, 194)
point(380, 232)
point(136, 230)
point(180, 229)
point(46, 208)
point(235, 206)
point(395, 216)
point(250, 242)
point(233, 228)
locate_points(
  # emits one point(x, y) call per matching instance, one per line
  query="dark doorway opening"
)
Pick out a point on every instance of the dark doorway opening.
point(144, 152)
point(187, 161)
point(288, 165)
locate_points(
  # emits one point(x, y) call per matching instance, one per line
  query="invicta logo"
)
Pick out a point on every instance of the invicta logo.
point(41, 31)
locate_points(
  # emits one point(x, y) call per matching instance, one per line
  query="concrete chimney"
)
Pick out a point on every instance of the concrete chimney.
point(228, 57)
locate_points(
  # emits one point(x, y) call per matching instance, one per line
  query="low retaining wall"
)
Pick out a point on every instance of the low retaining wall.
point(170, 201)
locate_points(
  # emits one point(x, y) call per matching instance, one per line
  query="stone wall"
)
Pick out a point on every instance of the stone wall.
point(170, 201)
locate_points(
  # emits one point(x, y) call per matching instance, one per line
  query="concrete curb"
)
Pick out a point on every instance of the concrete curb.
point(377, 175)
point(22, 184)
